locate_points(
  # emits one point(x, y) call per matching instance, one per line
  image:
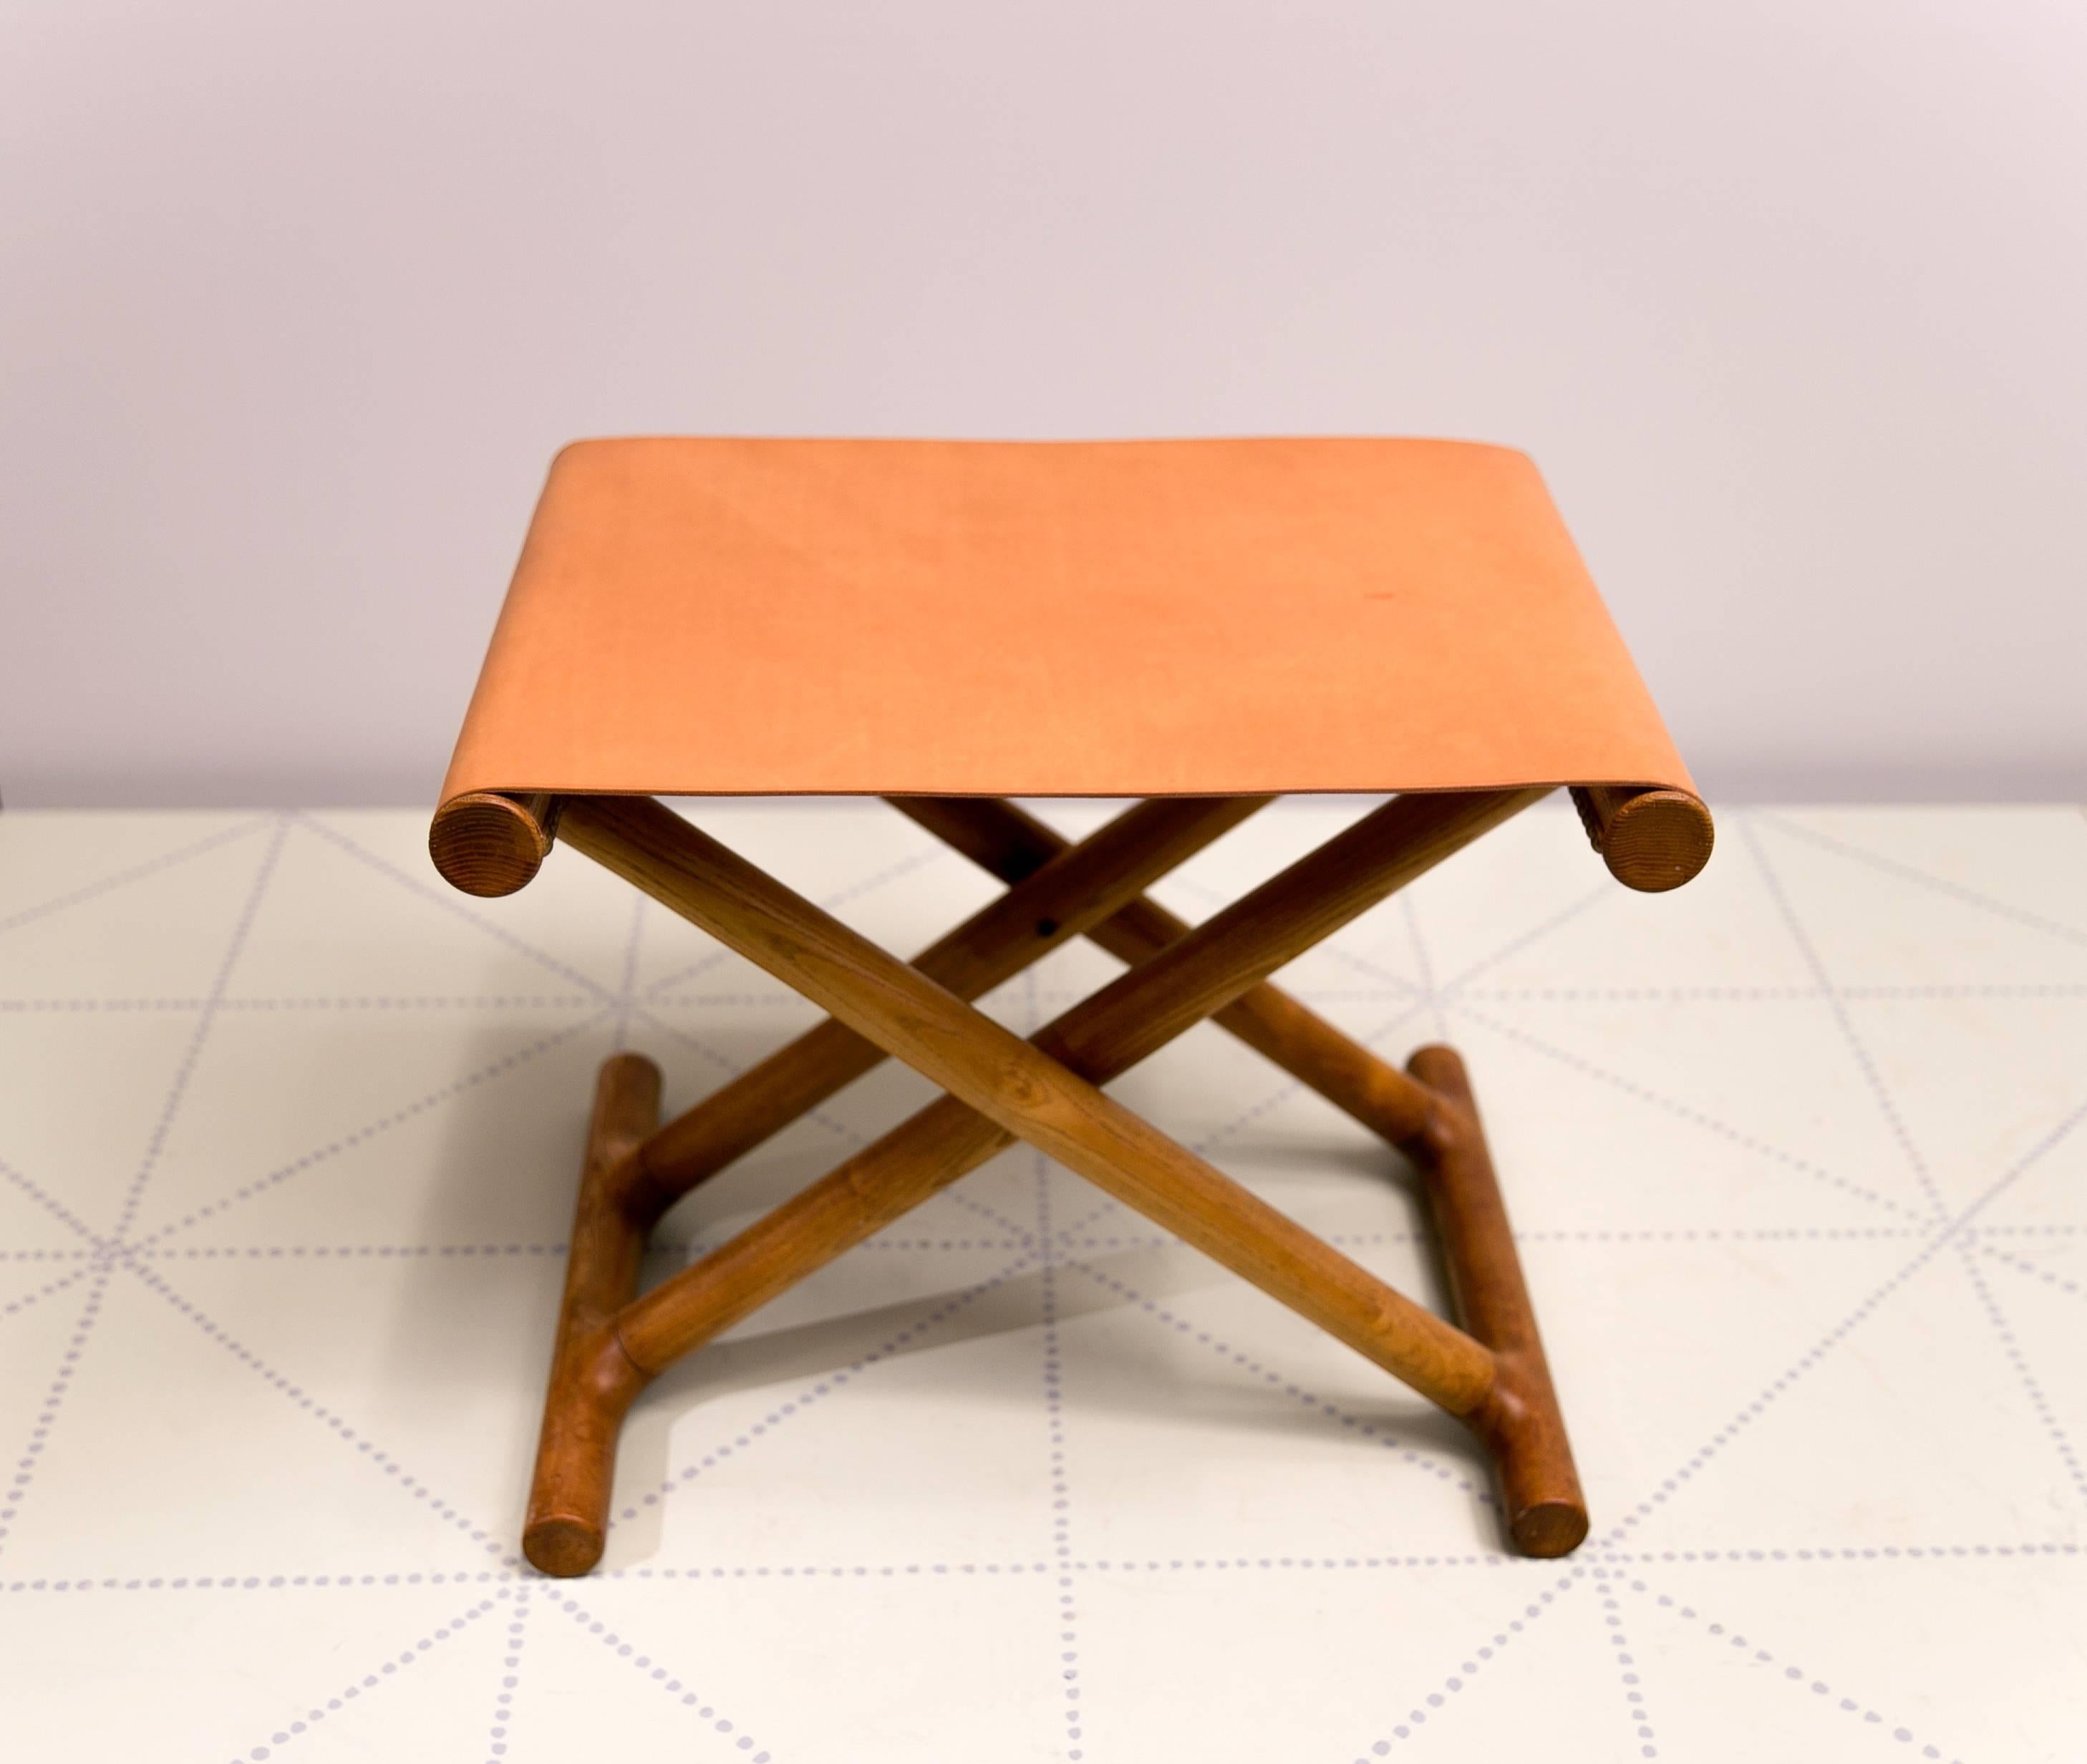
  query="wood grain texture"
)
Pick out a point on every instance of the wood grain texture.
point(1007, 842)
point(1651, 841)
point(490, 845)
point(1029, 1093)
point(611, 1343)
point(946, 1141)
point(1519, 1422)
point(592, 1380)
point(1064, 893)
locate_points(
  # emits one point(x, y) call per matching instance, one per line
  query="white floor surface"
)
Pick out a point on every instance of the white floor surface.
point(288, 1138)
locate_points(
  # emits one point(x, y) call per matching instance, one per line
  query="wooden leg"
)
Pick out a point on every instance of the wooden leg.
point(1028, 1092)
point(1100, 1038)
point(1001, 838)
point(1519, 1422)
point(634, 1172)
point(592, 1380)
point(1000, 1088)
point(1064, 893)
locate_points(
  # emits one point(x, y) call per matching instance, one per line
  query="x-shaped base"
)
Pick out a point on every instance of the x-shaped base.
point(1001, 1088)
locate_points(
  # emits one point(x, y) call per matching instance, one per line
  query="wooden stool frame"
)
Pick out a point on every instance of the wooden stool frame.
point(611, 1341)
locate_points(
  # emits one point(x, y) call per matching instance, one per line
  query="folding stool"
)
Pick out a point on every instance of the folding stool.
point(1202, 625)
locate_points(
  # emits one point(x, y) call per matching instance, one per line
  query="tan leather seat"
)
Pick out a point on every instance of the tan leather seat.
point(707, 617)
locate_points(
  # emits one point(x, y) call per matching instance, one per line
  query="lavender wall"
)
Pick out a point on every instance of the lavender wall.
point(296, 302)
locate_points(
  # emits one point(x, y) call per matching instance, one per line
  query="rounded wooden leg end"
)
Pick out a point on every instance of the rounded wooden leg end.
point(626, 1097)
point(562, 1546)
point(1548, 1528)
point(1651, 841)
point(593, 1384)
point(626, 1110)
point(489, 845)
point(1539, 1489)
point(1440, 1069)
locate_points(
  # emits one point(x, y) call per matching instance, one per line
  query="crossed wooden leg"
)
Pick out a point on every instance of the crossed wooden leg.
point(1000, 1088)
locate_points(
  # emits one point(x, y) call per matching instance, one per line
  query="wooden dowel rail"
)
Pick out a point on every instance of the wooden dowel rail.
point(489, 844)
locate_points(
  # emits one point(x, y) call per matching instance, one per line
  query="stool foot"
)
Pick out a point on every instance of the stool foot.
point(1519, 1422)
point(592, 1382)
point(567, 1520)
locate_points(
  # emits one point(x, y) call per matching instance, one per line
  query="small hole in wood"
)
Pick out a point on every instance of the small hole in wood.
point(1046, 928)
